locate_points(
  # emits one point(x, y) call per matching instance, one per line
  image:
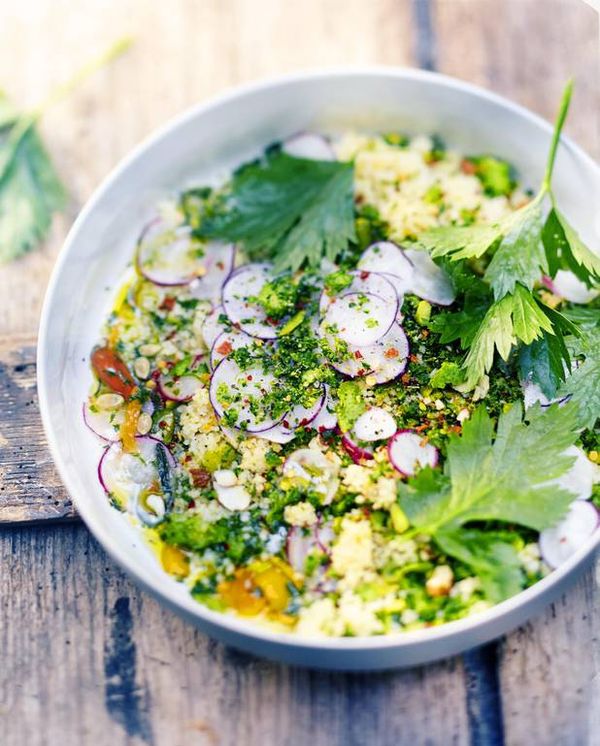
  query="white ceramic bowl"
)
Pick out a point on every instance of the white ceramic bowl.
point(210, 139)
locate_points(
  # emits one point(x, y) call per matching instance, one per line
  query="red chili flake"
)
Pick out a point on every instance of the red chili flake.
point(420, 428)
point(200, 477)
point(413, 358)
point(358, 355)
point(192, 504)
point(364, 275)
point(391, 352)
point(225, 347)
point(405, 379)
point(249, 377)
point(285, 423)
point(167, 303)
point(220, 265)
point(468, 167)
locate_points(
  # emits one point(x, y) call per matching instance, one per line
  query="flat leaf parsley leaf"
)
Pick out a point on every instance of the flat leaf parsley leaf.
point(494, 476)
point(290, 210)
point(519, 248)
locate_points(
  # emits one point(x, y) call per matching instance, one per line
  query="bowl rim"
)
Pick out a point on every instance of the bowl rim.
point(118, 552)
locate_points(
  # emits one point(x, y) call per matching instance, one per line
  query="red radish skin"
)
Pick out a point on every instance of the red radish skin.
point(406, 451)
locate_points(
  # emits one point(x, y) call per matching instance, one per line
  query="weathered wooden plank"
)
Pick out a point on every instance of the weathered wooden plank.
point(95, 661)
point(30, 488)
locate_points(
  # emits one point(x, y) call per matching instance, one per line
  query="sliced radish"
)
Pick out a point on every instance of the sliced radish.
point(374, 424)
point(314, 469)
point(408, 452)
point(308, 145)
point(226, 342)
point(299, 544)
point(218, 262)
point(532, 394)
point(429, 281)
point(233, 498)
point(126, 475)
point(103, 423)
point(243, 285)
point(385, 360)
point(212, 327)
point(558, 543)
point(169, 256)
point(326, 419)
point(388, 258)
point(356, 452)
point(300, 416)
point(581, 477)
point(242, 391)
point(359, 319)
point(568, 286)
point(276, 434)
point(178, 388)
point(371, 283)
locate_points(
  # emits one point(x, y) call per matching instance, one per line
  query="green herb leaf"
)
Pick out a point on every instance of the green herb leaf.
point(30, 190)
point(501, 479)
point(583, 385)
point(520, 256)
point(290, 210)
point(350, 404)
point(565, 250)
point(516, 317)
point(494, 560)
point(542, 362)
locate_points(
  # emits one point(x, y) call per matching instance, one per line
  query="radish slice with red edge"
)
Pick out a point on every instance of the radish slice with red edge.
point(167, 255)
point(212, 327)
point(300, 416)
point(364, 282)
point(242, 391)
point(358, 319)
point(218, 262)
point(568, 286)
point(126, 475)
point(102, 423)
point(356, 452)
point(408, 452)
point(429, 281)
point(374, 424)
point(226, 342)
point(385, 360)
point(560, 542)
point(310, 146)
point(179, 389)
point(326, 419)
point(246, 283)
point(389, 259)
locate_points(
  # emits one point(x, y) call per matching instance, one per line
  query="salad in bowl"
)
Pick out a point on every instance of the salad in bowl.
point(352, 389)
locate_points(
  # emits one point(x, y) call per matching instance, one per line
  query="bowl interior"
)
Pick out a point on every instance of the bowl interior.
point(204, 145)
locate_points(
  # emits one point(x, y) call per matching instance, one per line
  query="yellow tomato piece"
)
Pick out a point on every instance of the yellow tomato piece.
point(239, 593)
point(174, 561)
point(128, 429)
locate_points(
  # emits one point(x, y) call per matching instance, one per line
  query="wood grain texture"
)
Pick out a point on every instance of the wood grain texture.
point(86, 657)
point(30, 489)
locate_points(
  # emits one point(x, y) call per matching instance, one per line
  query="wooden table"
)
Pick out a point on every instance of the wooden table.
point(85, 657)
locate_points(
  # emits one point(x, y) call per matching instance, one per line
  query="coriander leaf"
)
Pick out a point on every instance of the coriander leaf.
point(502, 479)
point(350, 404)
point(30, 190)
point(583, 385)
point(493, 559)
point(565, 249)
point(290, 210)
point(520, 257)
